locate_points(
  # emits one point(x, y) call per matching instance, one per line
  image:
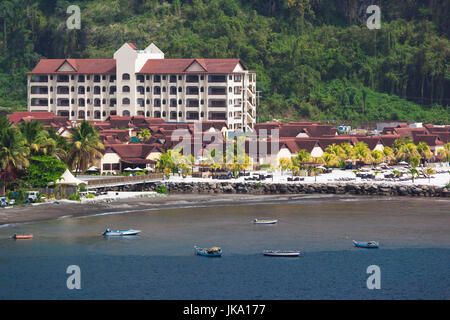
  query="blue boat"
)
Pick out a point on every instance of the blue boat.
point(368, 244)
point(211, 252)
point(129, 232)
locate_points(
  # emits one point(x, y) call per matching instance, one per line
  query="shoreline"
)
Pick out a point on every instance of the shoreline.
point(66, 209)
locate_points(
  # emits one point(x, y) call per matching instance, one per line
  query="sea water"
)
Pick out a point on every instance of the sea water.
point(413, 258)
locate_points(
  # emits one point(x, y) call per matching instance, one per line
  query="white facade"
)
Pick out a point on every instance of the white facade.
point(186, 96)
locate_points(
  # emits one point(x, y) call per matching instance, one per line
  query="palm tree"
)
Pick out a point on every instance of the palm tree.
point(285, 164)
point(328, 159)
point(424, 150)
point(85, 147)
point(362, 152)
point(429, 172)
point(397, 173)
point(144, 135)
point(377, 156)
point(316, 171)
point(37, 137)
point(388, 154)
point(413, 172)
point(13, 153)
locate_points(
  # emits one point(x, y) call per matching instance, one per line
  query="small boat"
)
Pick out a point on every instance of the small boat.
point(279, 253)
point(22, 236)
point(129, 232)
point(368, 244)
point(262, 221)
point(211, 252)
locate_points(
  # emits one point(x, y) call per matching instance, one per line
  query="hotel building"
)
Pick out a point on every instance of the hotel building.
point(143, 83)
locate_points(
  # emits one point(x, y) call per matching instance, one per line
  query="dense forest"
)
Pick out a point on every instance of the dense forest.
point(315, 59)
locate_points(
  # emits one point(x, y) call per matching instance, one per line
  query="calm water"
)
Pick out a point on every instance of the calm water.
point(414, 257)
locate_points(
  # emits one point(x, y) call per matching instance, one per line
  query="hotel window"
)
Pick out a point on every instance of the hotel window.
point(180, 78)
point(140, 89)
point(230, 77)
point(104, 101)
point(180, 114)
point(125, 76)
point(140, 78)
point(97, 115)
point(81, 90)
point(51, 89)
point(173, 79)
point(202, 114)
point(72, 77)
point(173, 90)
point(164, 114)
point(97, 102)
point(96, 90)
point(157, 103)
point(147, 101)
point(173, 103)
point(96, 78)
point(173, 115)
point(103, 89)
point(157, 114)
point(125, 101)
point(112, 78)
point(202, 77)
point(112, 102)
point(80, 78)
point(140, 102)
point(164, 89)
point(125, 89)
point(104, 113)
point(147, 89)
point(88, 101)
point(164, 102)
point(103, 77)
point(148, 113)
point(157, 90)
point(88, 89)
point(88, 77)
point(112, 89)
point(156, 78)
point(72, 101)
point(164, 77)
point(180, 89)
point(147, 77)
point(81, 102)
point(180, 101)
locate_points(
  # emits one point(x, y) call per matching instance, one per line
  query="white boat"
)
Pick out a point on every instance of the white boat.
point(280, 253)
point(129, 232)
point(262, 221)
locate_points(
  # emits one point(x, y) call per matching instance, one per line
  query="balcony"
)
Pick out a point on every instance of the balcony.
point(62, 102)
point(192, 90)
point(62, 90)
point(217, 79)
point(217, 91)
point(190, 103)
point(39, 90)
point(192, 116)
point(217, 103)
point(191, 78)
point(40, 78)
point(217, 116)
point(62, 78)
point(39, 102)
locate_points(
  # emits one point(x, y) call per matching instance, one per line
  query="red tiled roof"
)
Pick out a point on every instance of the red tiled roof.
point(17, 116)
point(179, 66)
point(81, 66)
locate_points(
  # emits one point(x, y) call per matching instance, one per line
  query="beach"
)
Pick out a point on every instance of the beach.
point(69, 209)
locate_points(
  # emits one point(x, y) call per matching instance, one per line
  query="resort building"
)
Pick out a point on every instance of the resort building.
point(144, 83)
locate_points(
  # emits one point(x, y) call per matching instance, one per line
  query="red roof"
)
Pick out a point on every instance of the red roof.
point(132, 45)
point(81, 66)
point(17, 116)
point(177, 66)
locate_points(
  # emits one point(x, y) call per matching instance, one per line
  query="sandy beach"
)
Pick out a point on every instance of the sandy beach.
point(67, 209)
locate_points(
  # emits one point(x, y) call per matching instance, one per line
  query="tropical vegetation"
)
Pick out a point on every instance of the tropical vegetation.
point(314, 59)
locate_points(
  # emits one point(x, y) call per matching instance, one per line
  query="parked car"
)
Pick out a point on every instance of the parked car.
point(3, 202)
point(32, 196)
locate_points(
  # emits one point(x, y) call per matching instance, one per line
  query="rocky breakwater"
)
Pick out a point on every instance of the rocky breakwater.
point(303, 188)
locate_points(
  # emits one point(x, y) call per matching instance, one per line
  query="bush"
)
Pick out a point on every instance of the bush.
point(82, 188)
point(161, 189)
point(90, 196)
point(74, 197)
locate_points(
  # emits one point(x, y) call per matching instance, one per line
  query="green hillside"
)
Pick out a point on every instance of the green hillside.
point(315, 59)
